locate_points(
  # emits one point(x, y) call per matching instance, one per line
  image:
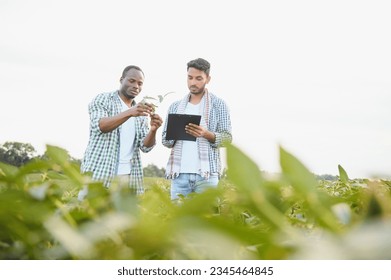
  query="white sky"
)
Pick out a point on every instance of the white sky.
point(312, 76)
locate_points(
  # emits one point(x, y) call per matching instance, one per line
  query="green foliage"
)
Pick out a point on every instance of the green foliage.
point(152, 170)
point(251, 215)
point(16, 153)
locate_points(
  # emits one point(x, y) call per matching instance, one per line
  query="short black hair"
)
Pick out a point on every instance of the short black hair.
point(127, 68)
point(200, 64)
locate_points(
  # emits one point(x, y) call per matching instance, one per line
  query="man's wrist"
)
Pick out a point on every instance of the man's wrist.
point(211, 137)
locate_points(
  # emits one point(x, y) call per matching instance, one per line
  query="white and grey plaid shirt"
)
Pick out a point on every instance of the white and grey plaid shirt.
point(102, 153)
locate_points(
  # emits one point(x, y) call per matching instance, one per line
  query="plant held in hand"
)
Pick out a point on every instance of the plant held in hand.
point(154, 100)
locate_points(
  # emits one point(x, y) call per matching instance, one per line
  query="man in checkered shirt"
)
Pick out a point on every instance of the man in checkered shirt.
point(194, 166)
point(118, 132)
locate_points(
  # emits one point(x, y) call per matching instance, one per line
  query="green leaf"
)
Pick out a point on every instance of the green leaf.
point(7, 170)
point(305, 183)
point(77, 244)
point(343, 175)
point(199, 204)
point(299, 176)
point(247, 176)
point(150, 97)
point(168, 93)
point(242, 171)
point(61, 157)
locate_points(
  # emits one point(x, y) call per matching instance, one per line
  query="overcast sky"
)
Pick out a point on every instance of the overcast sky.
point(311, 76)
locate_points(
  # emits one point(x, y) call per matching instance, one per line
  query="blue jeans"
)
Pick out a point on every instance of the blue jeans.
point(187, 183)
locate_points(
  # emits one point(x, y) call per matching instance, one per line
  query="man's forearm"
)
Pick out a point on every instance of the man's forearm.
point(108, 124)
point(150, 139)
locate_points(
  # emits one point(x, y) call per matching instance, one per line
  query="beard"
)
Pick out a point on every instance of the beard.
point(195, 90)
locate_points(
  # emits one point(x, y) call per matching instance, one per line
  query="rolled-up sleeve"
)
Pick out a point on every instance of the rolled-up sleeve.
point(223, 126)
point(97, 109)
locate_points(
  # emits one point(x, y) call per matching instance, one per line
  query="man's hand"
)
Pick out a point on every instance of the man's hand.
point(199, 131)
point(156, 122)
point(142, 109)
point(108, 124)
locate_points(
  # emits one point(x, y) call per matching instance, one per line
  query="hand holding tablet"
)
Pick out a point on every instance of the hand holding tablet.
point(176, 124)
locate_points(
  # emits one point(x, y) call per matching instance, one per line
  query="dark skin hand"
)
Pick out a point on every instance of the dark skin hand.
point(156, 122)
point(108, 124)
point(199, 131)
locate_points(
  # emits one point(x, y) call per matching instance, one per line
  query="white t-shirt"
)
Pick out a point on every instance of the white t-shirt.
point(190, 162)
point(126, 140)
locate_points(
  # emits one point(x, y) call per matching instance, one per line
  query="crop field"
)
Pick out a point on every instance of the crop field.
point(250, 216)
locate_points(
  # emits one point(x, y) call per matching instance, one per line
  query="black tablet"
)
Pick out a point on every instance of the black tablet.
point(176, 126)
